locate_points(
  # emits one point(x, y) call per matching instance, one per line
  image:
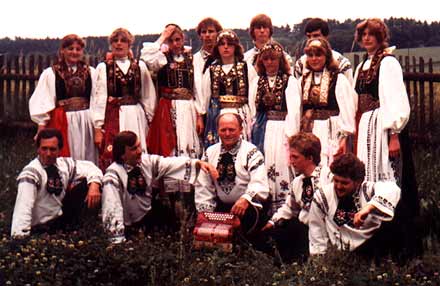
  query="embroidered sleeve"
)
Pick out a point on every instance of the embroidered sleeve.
point(31, 176)
point(180, 168)
point(258, 184)
point(385, 199)
point(88, 170)
point(318, 235)
point(290, 208)
point(205, 194)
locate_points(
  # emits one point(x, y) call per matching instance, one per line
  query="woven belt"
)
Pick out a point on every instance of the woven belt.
point(232, 101)
point(176, 93)
point(323, 114)
point(125, 100)
point(74, 104)
point(276, 115)
point(367, 102)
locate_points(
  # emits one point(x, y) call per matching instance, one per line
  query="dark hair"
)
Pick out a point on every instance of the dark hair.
point(376, 27)
point(48, 133)
point(348, 166)
point(121, 140)
point(307, 144)
point(237, 117)
point(205, 23)
point(315, 24)
point(325, 48)
point(232, 39)
point(261, 20)
point(272, 48)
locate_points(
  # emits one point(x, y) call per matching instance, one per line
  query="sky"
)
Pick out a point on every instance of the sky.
point(56, 18)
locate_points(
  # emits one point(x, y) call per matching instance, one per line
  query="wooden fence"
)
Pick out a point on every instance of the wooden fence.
point(19, 75)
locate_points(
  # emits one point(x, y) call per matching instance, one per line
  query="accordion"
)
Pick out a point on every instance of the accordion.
point(215, 230)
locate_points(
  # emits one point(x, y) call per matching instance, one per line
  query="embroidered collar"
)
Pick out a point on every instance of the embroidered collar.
point(233, 151)
point(316, 93)
point(204, 54)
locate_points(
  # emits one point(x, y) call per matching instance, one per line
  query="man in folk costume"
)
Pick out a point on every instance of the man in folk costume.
point(207, 30)
point(317, 28)
point(292, 218)
point(353, 214)
point(45, 200)
point(127, 191)
point(241, 188)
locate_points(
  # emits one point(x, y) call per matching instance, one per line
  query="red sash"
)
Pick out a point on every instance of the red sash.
point(58, 120)
point(162, 138)
point(111, 128)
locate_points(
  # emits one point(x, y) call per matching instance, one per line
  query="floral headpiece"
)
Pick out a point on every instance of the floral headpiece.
point(227, 34)
point(272, 46)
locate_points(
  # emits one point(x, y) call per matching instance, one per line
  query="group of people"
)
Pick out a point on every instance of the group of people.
point(303, 152)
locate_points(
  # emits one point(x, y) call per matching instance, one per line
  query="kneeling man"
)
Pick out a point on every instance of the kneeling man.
point(127, 192)
point(242, 185)
point(46, 200)
point(350, 211)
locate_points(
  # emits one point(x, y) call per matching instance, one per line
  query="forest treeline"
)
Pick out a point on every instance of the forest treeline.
point(405, 33)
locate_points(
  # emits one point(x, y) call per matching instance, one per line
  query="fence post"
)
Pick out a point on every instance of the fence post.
point(431, 97)
point(2, 86)
point(422, 96)
point(416, 96)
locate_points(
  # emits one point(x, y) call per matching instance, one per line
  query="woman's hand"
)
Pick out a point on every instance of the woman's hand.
point(342, 149)
point(99, 137)
point(394, 146)
point(40, 127)
point(167, 32)
point(200, 125)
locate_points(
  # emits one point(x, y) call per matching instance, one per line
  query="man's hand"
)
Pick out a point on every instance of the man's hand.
point(394, 146)
point(361, 216)
point(208, 168)
point(267, 227)
point(99, 137)
point(240, 207)
point(93, 196)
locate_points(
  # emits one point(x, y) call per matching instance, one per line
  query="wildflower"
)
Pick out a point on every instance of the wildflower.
point(80, 243)
point(299, 273)
point(385, 275)
point(71, 246)
point(37, 273)
point(379, 277)
point(312, 279)
point(408, 276)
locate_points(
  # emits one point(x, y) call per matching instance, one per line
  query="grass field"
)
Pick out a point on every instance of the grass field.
point(85, 257)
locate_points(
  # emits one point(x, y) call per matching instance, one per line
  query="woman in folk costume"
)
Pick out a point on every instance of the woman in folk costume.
point(62, 98)
point(328, 101)
point(125, 96)
point(383, 112)
point(225, 85)
point(173, 130)
point(275, 93)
